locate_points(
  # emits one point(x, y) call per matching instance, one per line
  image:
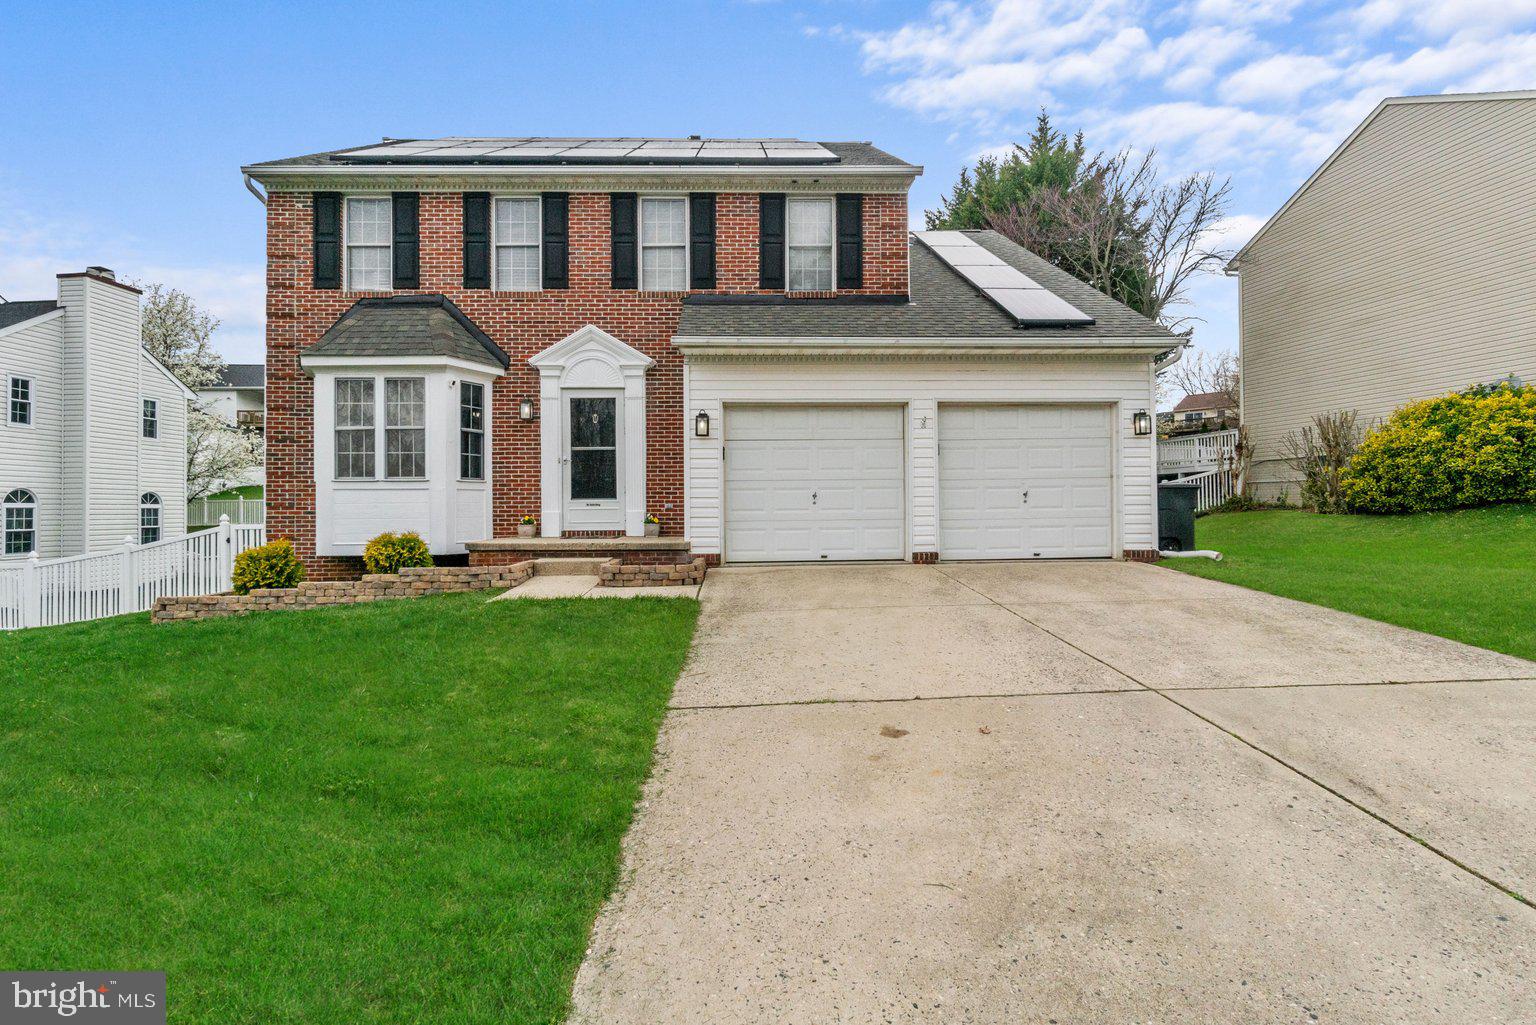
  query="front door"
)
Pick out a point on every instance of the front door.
point(594, 474)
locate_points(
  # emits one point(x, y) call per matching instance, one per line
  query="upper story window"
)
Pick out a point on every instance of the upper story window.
point(663, 244)
point(367, 233)
point(20, 522)
point(21, 401)
point(405, 427)
point(516, 232)
point(151, 419)
point(354, 428)
point(471, 431)
point(810, 237)
point(149, 518)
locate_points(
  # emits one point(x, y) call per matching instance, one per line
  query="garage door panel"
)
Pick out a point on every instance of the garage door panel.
point(990, 455)
point(814, 483)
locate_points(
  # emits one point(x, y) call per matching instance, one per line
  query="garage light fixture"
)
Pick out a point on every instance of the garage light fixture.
point(525, 409)
point(701, 425)
point(1142, 422)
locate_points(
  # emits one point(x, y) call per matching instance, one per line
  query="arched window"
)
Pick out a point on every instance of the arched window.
point(149, 517)
point(20, 522)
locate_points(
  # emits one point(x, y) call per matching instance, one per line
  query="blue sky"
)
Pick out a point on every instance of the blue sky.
point(123, 130)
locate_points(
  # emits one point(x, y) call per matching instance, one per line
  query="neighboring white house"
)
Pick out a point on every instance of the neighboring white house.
point(1404, 268)
point(93, 438)
point(239, 397)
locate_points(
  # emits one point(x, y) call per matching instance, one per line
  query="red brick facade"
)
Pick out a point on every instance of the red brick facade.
point(523, 324)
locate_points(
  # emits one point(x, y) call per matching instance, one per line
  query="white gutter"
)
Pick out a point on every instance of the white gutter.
point(999, 343)
point(1170, 359)
point(251, 188)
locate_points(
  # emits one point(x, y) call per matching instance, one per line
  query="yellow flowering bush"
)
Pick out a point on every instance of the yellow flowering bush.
point(274, 564)
point(389, 553)
point(1473, 447)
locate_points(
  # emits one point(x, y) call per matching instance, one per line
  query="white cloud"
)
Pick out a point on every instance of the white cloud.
point(1438, 17)
point(1284, 76)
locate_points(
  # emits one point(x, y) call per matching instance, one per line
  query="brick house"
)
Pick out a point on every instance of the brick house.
point(739, 337)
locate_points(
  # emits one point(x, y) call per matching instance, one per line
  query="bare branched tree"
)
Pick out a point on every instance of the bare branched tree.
point(1203, 373)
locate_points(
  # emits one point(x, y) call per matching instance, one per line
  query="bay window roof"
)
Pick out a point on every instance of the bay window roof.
point(408, 326)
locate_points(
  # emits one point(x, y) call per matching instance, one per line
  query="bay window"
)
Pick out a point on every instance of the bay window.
point(810, 244)
point(354, 428)
point(367, 232)
point(471, 431)
point(663, 244)
point(516, 238)
point(405, 427)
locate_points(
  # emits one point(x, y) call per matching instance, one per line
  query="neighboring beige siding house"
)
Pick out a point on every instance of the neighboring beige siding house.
point(1405, 267)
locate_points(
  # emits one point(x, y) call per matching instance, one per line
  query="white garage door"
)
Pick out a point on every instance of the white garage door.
point(1024, 482)
point(813, 483)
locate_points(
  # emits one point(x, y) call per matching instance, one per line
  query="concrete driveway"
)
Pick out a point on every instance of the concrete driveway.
point(1073, 792)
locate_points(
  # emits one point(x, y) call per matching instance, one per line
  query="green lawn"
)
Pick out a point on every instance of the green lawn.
point(408, 811)
point(243, 491)
point(1469, 575)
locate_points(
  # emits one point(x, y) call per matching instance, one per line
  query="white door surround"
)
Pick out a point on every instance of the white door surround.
point(591, 361)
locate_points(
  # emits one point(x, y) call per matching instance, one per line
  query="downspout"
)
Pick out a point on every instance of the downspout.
point(1169, 358)
point(250, 187)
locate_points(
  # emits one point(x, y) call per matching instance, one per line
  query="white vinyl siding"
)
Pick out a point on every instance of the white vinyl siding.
point(1407, 269)
point(369, 224)
point(810, 239)
point(35, 455)
point(663, 244)
point(516, 239)
point(1123, 383)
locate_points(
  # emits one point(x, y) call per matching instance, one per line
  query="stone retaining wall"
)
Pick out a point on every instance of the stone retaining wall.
point(411, 582)
point(616, 573)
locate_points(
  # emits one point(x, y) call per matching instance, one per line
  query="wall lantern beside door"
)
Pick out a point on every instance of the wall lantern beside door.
point(525, 409)
point(1142, 422)
point(701, 425)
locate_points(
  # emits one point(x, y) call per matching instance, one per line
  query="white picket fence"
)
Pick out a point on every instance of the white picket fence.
point(49, 592)
point(1216, 486)
point(241, 511)
point(1196, 451)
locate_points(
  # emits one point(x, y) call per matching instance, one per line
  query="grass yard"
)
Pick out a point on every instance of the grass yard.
point(1469, 575)
point(406, 811)
point(243, 491)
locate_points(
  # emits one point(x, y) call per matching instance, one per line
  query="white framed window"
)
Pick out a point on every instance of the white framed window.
point(810, 234)
point(149, 518)
point(151, 419)
point(354, 428)
point(663, 244)
point(20, 522)
point(20, 393)
point(405, 427)
point(367, 229)
point(471, 431)
point(516, 233)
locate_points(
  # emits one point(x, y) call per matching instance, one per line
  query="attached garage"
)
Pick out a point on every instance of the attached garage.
point(814, 483)
point(1025, 481)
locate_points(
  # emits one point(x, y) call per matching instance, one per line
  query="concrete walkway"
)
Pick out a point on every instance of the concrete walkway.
point(1073, 792)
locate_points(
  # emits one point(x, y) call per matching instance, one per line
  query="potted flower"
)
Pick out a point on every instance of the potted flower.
point(525, 526)
point(652, 525)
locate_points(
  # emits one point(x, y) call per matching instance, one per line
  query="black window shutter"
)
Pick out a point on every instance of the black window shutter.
point(701, 240)
point(327, 236)
point(770, 240)
point(557, 240)
point(850, 241)
point(625, 258)
point(477, 240)
point(407, 241)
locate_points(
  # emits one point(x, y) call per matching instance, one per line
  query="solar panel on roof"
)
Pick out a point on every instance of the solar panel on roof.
point(515, 149)
point(1019, 295)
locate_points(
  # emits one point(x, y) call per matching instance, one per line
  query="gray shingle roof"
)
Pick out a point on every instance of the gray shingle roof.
point(242, 375)
point(16, 312)
point(846, 154)
point(408, 325)
point(943, 305)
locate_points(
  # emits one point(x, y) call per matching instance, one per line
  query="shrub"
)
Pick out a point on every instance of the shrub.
point(274, 564)
point(389, 553)
point(1319, 453)
point(1473, 447)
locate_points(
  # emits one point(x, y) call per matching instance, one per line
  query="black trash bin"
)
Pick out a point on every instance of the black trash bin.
point(1176, 516)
